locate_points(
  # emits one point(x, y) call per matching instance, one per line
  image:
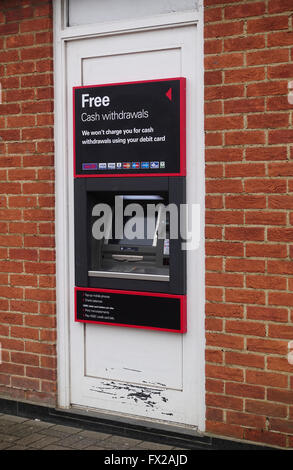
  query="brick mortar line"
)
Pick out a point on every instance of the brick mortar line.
point(248, 51)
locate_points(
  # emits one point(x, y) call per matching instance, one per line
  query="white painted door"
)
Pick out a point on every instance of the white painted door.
point(150, 374)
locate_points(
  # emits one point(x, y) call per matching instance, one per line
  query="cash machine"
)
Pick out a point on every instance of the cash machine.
point(129, 190)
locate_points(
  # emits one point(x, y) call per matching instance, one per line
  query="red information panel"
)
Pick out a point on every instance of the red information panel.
point(133, 309)
point(130, 129)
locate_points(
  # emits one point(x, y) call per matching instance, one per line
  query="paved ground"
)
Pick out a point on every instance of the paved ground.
point(18, 433)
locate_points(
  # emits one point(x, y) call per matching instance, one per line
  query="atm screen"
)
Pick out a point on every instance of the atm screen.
point(141, 248)
point(128, 225)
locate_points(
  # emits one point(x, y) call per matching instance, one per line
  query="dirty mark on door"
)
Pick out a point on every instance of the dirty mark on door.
point(153, 399)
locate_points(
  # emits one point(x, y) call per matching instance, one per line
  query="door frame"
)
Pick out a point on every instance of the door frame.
point(62, 36)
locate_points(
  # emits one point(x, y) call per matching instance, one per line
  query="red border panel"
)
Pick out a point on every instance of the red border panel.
point(183, 309)
point(182, 131)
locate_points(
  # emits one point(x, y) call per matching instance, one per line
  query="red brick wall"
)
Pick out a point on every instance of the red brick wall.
point(27, 308)
point(249, 212)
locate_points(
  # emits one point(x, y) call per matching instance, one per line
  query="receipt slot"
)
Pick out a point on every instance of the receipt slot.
point(130, 267)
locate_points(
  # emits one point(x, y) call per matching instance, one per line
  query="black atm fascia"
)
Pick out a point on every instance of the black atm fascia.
point(101, 188)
